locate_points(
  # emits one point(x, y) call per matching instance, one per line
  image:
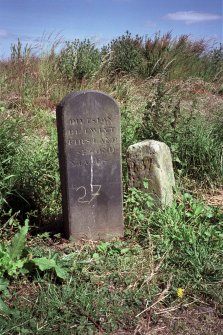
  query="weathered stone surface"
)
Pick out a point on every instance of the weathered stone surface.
point(88, 124)
point(152, 160)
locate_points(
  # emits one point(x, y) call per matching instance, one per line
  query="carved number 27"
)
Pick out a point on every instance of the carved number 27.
point(94, 193)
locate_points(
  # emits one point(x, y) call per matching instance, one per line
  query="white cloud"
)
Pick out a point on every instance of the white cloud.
point(4, 33)
point(192, 17)
point(99, 40)
point(150, 24)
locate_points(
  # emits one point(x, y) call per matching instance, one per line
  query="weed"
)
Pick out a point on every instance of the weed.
point(92, 299)
point(106, 285)
point(138, 207)
point(192, 137)
point(10, 140)
point(191, 235)
point(37, 177)
point(79, 59)
point(124, 55)
point(16, 261)
point(20, 53)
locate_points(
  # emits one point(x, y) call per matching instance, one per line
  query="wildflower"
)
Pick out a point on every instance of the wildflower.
point(180, 292)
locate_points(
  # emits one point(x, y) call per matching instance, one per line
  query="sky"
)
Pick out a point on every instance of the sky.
point(37, 21)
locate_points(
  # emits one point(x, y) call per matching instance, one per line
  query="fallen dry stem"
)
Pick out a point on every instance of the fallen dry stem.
point(161, 297)
point(154, 272)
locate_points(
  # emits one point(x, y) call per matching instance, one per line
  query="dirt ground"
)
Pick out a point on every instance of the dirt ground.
point(201, 320)
point(214, 198)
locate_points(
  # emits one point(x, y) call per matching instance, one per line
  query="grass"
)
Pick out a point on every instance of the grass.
point(93, 298)
point(168, 90)
point(112, 285)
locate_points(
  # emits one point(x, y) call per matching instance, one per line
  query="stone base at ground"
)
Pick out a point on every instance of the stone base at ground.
point(151, 160)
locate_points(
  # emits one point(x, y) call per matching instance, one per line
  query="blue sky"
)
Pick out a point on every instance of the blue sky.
point(102, 20)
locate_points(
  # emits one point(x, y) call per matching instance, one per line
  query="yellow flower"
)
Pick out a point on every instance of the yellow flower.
point(180, 292)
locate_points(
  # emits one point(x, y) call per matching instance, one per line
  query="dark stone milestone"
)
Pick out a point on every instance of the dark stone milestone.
point(88, 124)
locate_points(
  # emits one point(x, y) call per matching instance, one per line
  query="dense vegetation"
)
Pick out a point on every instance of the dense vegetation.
point(169, 89)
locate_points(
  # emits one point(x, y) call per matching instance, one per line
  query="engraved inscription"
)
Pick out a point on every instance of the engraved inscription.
point(90, 133)
point(84, 141)
point(81, 141)
point(90, 165)
point(101, 150)
point(107, 140)
point(86, 162)
point(97, 120)
point(74, 132)
point(99, 130)
point(76, 121)
point(87, 198)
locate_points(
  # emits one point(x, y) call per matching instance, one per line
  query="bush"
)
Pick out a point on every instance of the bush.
point(146, 57)
point(79, 59)
point(125, 55)
point(187, 56)
point(212, 62)
point(157, 55)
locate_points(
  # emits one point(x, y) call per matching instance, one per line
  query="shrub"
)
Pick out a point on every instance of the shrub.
point(157, 55)
point(187, 57)
point(125, 55)
point(79, 59)
point(213, 64)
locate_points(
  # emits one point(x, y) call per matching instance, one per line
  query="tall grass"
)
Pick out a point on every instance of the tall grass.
point(10, 140)
point(194, 138)
point(151, 108)
point(41, 75)
point(137, 72)
point(112, 286)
